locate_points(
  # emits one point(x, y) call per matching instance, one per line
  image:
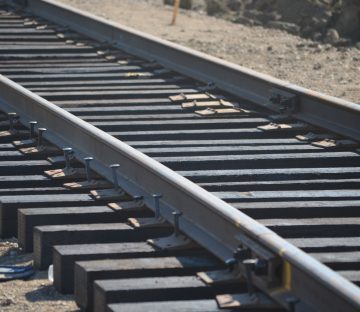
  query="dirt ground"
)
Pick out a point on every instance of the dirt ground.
point(319, 66)
point(35, 294)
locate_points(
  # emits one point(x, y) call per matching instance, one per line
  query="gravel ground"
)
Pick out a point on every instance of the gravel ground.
point(322, 67)
point(35, 294)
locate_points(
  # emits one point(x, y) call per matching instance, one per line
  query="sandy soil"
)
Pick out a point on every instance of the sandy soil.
point(322, 67)
point(35, 294)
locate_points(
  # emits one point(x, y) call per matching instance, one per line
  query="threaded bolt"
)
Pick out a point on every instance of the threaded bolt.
point(114, 167)
point(32, 129)
point(40, 137)
point(157, 205)
point(87, 168)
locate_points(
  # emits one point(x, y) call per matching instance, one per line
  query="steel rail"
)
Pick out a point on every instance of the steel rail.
point(298, 279)
point(328, 112)
point(206, 219)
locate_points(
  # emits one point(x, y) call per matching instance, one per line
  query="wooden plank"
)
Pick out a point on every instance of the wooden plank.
point(65, 256)
point(205, 305)
point(50, 235)
point(66, 70)
point(10, 167)
point(156, 289)
point(300, 208)
point(327, 244)
point(210, 143)
point(272, 174)
point(23, 191)
point(70, 77)
point(80, 82)
point(353, 276)
point(10, 204)
point(339, 260)
point(109, 87)
point(121, 117)
point(26, 180)
point(77, 95)
point(206, 123)
point(284, 195)
point(315, 184)
point(314, 227)
point(225, 161)
point(216, 134)
point(29, 218)
point(229, 150)
point(86, 272)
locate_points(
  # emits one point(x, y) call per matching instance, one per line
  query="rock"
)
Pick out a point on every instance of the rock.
point(235, 5)
point(317, 36)
point(348, 23)
point(5, 302)
point(332, 36)
point(216, 7)
point(357, 45)
point(245, 21)
point(289, 27)
point(317, 66)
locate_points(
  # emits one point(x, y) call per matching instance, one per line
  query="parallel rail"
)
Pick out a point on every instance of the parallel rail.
point(208, 220)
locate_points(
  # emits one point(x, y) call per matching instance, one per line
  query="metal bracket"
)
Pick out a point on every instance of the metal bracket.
point(281, 127)
point(62, 174)
point(148, 222)
point(176, 241)
point(310, 137)
point(162, 71)
point(40, 148)
point(45, 149)
point(220, 111)
point(156, 221)
point(173, 242)
point(109, 194)
point(31, 140)
point(221, 276)
point(85, 185)
point(218, 103)
point(266, 263)
point(13, 120)
point(116, 193)
point(137, 74)
point(283, 102)
point(134, 205)
point(197, 96)
point(332, 143)
point(245, 301)
point(208, 87)
point(56, 160)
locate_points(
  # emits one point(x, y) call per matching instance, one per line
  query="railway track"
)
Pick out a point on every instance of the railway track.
point(235, 160)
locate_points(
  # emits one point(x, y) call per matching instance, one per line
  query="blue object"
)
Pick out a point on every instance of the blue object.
point(10, 272)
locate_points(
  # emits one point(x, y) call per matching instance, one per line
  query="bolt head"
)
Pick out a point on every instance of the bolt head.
point(114, 166)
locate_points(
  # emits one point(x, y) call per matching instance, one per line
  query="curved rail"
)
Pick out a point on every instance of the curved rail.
point(207, 219)
point(325, 111)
